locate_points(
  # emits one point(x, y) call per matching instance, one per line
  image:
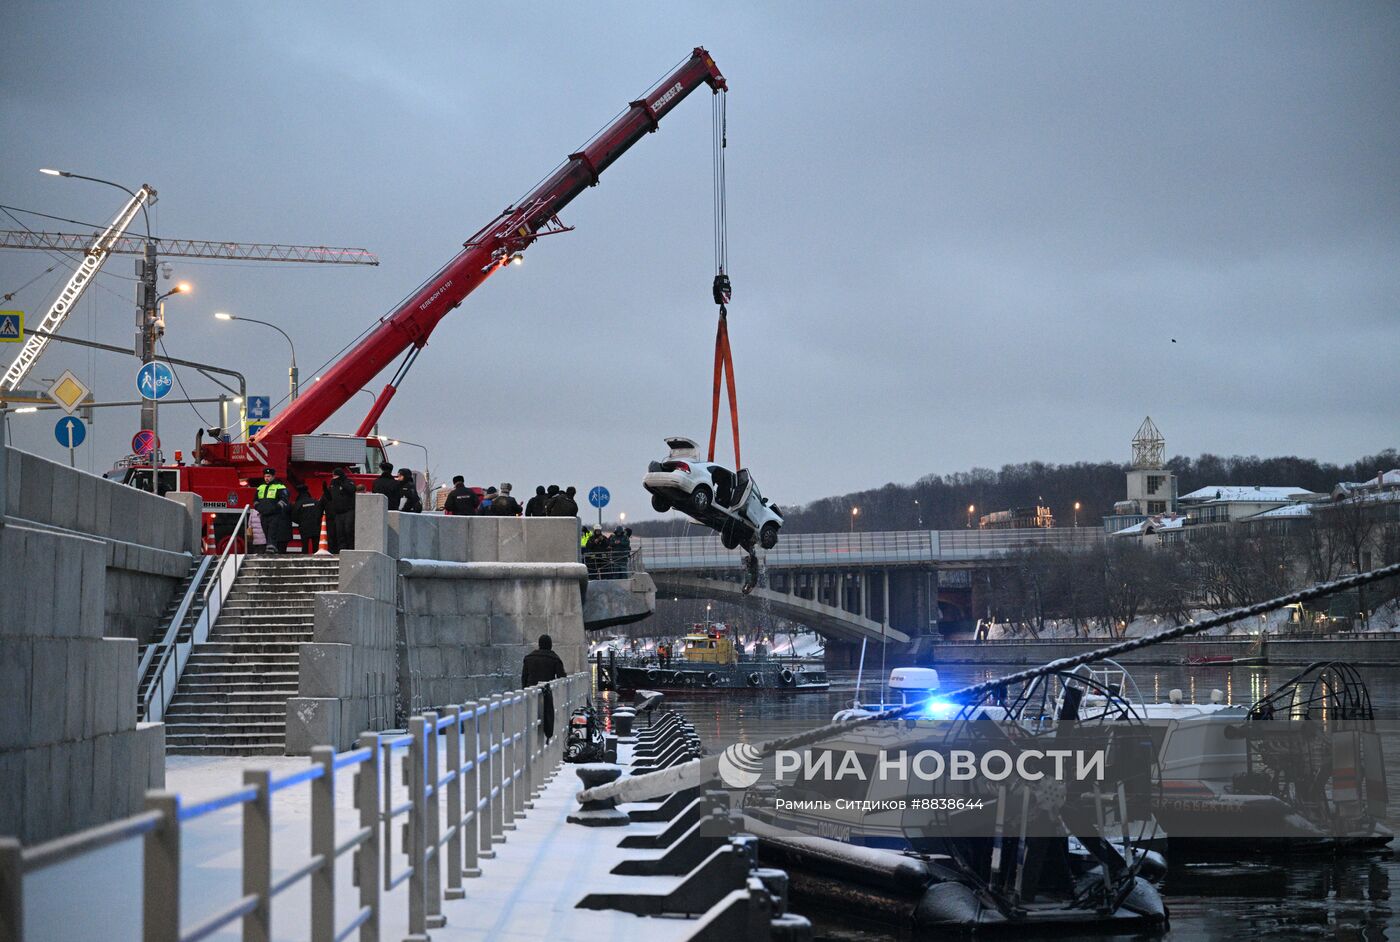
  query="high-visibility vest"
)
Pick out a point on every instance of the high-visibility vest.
point(268, 491)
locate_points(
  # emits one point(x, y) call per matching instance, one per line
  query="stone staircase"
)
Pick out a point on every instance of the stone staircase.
point(232, 698)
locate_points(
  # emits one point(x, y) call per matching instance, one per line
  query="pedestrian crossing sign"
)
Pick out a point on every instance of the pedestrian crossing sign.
point(11, 326)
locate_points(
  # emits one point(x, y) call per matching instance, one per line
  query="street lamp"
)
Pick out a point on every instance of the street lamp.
point(855, 512)
point(148, 321)
point(919, 511)
point(394, 443)
point(1076, 515)
point(292, 372)
point(970, 509)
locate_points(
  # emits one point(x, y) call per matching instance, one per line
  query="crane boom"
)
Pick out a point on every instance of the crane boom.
point(190, 248)
point(96, 250)
point(485, 253)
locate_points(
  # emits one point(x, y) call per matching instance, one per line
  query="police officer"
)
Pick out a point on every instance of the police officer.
point(410, 502)
point(388, 485)
point(461, 500)
point(274, 512)
point(308, 519)
point(339, 499)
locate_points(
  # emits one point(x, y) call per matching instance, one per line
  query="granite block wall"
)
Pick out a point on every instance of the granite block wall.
point(462, 598)
point(71, 752)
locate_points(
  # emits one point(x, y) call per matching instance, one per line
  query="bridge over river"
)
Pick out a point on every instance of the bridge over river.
point(895, 585)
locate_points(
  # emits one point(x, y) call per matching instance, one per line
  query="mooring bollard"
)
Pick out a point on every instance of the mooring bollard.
point(603, 813)
point(622, 722)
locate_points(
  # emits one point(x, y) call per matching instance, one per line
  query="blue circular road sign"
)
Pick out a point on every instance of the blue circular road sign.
point(154, 381)
point(70, 431)
point(599, 497)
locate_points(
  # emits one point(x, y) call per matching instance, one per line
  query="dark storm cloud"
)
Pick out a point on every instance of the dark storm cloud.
point(960, 234)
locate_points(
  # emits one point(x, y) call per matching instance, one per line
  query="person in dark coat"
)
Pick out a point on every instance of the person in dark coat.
point(388, 485)
point(274, 510)
point(563, 504)
point(541, 666)
point(339, 499)
point(307, 512)
point(534, 507)
point(461, 500)
point(408, 488)
point(550, 493)
point(504, 505)
point(484, 508)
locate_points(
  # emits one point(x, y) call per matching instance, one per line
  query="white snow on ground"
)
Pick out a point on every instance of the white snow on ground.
point(801, 644)
point(1384, 620)
point(527, 892)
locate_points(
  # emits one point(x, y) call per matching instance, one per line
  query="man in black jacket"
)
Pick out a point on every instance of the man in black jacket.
point(308, 519)
point(504, 505)
point(563, 504)
point(388, 485)
point(408, 491)
point(461, 500)
point(534, 507)
point(541, 666)
point(339, 499)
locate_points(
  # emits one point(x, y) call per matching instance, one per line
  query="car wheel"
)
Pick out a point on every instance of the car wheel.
point(728, 539)
point(660, 504)
point(768, 536)
point(700, 498)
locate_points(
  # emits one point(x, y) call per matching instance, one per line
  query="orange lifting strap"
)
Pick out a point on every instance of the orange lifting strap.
point(724, 366)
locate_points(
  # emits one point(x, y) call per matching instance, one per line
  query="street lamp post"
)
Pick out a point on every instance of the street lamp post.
point(156, 329)
point(148, 327)
point(970, 509)
point(427, 475)
point(855, 512)
point(292, 375)
point(1076, 515)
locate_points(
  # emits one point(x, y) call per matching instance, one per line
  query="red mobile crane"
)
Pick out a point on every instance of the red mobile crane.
point(289, 443)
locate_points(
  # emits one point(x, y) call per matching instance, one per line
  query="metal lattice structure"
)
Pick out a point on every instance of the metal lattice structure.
point(191, 248)
point(1149, 447)
point(95, 248)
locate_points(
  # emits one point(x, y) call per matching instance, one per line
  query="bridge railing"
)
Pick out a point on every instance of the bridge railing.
point(466, 773)
point(889, 548)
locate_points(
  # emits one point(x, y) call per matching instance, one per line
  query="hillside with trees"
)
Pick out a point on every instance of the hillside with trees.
point(940, 501)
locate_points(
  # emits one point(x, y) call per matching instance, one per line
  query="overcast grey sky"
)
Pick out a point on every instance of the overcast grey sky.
point(960, 234)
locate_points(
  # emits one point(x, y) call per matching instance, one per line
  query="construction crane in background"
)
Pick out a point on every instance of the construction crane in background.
point(191, 248)
point(150, 324)
point(96, 250)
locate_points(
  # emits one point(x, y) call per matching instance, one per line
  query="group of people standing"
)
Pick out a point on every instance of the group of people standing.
point(278, 511)
point(606, 554)
point(400, 489)
point(464, 501)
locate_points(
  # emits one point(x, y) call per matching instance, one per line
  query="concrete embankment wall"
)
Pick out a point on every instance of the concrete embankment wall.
point(80, 559)
point(433, 610)
point(1378, 651)
point(147, 539)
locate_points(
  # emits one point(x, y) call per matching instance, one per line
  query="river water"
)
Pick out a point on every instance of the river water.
point(1299, 898)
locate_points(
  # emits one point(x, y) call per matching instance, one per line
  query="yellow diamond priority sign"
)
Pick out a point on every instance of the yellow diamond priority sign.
point(69, 392)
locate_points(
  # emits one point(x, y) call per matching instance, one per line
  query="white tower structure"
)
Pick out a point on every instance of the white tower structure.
point(1151, 487)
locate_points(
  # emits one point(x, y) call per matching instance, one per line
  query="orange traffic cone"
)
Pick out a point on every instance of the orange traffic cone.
point(210, 542)
point(324, 549)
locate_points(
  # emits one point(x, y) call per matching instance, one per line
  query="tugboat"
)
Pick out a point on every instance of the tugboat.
point(709, 660)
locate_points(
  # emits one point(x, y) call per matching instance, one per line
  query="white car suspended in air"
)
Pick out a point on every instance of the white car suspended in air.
point(713, 495)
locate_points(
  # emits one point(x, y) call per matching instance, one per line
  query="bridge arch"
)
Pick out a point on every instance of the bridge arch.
point(826, 620)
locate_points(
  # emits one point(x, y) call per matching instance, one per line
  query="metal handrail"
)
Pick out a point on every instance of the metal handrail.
point(172, 631)
point(483, 790)
point(164, 682)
